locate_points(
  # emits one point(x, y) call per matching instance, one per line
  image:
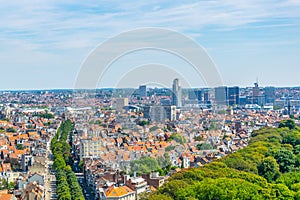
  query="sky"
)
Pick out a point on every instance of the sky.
point(45, 43)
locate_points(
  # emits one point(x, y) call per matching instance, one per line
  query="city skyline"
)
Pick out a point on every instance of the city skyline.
point(44, 45)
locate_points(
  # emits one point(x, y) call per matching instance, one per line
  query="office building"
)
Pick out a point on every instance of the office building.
point(269, 94)
point(157, 113)
point(257, 97)
point(221, 95)
point(199, 96)
point(176, 95)
point(120, 103)
point(192, 94)
point(206, 97)
point(143, 91)
point(160, 113)
point(233, 96)
point(256, 90)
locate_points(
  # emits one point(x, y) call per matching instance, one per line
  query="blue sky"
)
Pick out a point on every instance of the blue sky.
point(44, 43)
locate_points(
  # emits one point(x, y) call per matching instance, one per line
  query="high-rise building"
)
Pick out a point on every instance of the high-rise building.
point(176, 95)
point(120, 103)
point(256, 90)
point(143, 91)
point(221, 95)
point(269, 93)
point(257, 98)
point(199, 96)
point(157, 113)
point(206, 97)
point(160, 113)
point(170, 112)
point(192, 94)
point(233, 96)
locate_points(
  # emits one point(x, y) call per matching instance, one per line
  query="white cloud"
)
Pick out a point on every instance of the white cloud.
point(56, 22)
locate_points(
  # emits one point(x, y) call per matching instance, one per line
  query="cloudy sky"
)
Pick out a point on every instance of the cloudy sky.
point(44, 43)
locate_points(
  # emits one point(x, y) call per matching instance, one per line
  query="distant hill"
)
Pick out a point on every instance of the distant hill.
point(269, 168)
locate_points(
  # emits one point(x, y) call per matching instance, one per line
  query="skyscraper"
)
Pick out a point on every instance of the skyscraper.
point(221, 95)
point(256, 90)
point(199, 96)
point(233, 95)
point(143, 91)
point(176, 95)
point(192, 94)
point(206, 97)
point(258, 98)
point(269, 93)
point(195, 94)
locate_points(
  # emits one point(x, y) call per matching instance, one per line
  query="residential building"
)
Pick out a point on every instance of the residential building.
point(154, 179)
point(138, 184)
point(119, 193)
point(90, 148)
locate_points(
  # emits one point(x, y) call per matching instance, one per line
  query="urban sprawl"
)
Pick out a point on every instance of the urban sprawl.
point(124, 143)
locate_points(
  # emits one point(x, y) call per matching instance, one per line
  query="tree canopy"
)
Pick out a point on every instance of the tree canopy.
point(67, 186)
point(267, 169)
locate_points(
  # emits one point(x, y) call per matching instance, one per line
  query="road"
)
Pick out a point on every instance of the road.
point(52, 188)
point(50, 180)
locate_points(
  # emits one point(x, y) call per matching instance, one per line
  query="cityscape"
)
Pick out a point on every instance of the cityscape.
point(131, 141)
point(150, 100)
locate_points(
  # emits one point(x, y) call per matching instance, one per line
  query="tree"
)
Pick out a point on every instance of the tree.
point(204, 146)
point(59, 162)
point(287, 123)
point(159, 196)
point(153, 128)
point(178, 138)
point(143, 123)
point(10, 130)
point(269, 169)
point(20, 146)
point(144, 166)
point(286, 160)
point(297, 149)
point(172, 188)
point(289, 179)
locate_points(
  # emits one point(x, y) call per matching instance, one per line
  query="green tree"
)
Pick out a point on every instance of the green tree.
point(10, 130)
point(144, 165)
point(287, 123)
point(204, 146)
point(286, 160)
point(178, 138)
point(20, 146)
point(269, 169)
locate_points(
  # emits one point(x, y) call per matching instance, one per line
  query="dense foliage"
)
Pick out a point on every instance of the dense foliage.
point(67, 186)
point(147, 165)
point(44, 115)
point(178, 138)
point(269, 168)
